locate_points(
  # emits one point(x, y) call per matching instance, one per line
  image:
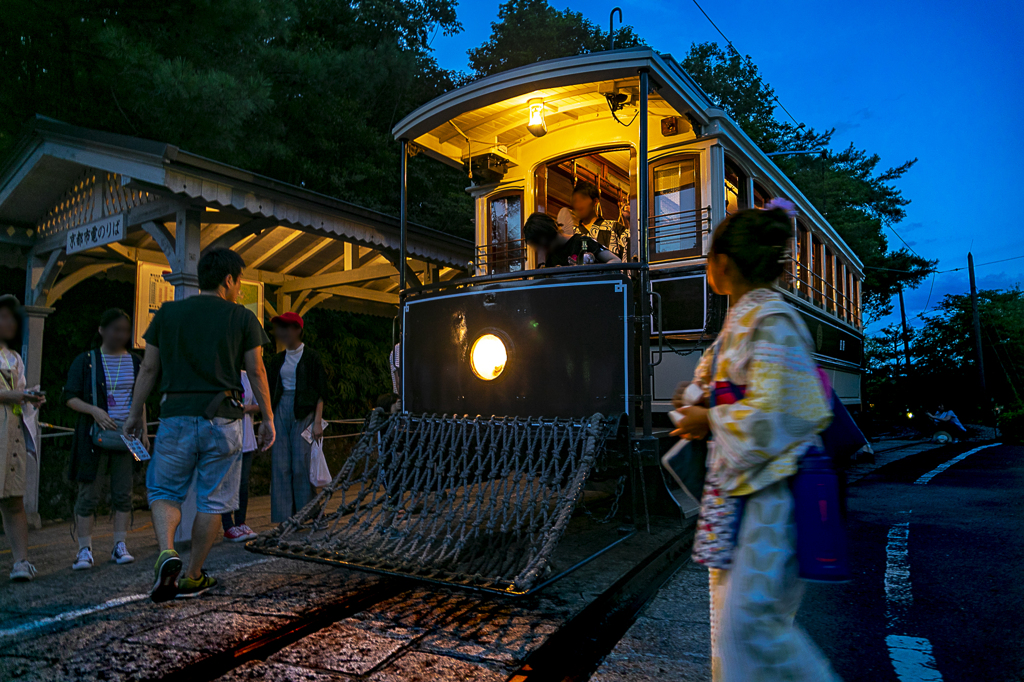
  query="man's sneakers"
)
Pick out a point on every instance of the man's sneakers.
point(193, 587)
point(168, 566)
point(23, 572)
point(239, 533)
point(120, 554)
point(84, 559)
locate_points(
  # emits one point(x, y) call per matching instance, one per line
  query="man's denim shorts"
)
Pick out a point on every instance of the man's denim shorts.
point(211, 449)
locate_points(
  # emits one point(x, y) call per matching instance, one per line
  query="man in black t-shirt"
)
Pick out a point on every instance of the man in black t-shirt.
point(555, 249)
point(201, 344)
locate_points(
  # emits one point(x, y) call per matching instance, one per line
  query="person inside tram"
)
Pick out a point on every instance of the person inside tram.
point(554, 249)
point(567, 223)
point(586, 204)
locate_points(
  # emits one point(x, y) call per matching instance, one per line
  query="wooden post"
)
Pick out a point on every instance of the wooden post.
point(906, 333)
point(977, 330)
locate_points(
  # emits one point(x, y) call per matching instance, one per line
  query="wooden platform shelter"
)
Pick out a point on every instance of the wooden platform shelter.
point(76, 202)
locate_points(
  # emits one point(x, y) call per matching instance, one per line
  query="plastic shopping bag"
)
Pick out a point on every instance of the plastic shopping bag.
point(319, 474)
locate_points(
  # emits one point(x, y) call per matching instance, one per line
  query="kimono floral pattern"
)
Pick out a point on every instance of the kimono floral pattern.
point(759, 439)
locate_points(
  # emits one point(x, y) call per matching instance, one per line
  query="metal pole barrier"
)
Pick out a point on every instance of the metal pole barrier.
point(403, 214)
point(646, 371)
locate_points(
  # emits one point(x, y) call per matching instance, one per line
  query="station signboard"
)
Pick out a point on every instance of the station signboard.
point(97, 233)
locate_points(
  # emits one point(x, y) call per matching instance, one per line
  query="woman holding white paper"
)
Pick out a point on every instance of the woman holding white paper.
point(297, 383)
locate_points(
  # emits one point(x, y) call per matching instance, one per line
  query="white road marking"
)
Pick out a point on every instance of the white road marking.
point(945, 465)
point(898, 595)
point(113, 603)
point(911, 657)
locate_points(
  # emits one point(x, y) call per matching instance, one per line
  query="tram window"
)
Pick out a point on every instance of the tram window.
point(829, 288)
point(734, 182)
point(677, 220)
point(761, 196)
point(504, 251)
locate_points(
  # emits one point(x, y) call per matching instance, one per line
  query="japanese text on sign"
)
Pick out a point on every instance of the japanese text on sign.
point(98, 233)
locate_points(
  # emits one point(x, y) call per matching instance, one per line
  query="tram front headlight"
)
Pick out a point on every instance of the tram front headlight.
point(488, 357)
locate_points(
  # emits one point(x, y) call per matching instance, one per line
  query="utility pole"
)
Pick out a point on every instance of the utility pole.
point(906, 332)
point(977, 330)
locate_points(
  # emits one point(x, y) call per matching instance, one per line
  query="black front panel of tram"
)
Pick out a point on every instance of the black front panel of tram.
point(568, 344)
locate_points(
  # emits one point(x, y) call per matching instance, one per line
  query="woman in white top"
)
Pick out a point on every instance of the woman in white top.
point(298, 384)
point(235, 527)
point(17, 406)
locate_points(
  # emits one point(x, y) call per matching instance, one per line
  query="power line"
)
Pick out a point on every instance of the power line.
point(779, 102)
point(940, 272)
point(706, 16)
point(904, 241)
point(737, 53)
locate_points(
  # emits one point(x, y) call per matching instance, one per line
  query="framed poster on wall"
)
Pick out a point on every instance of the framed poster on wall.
point(152, 291)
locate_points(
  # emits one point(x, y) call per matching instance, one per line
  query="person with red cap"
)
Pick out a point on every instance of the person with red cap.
point(297, 385)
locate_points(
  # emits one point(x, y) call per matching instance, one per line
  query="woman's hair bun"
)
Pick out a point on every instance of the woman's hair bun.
point(756, 241)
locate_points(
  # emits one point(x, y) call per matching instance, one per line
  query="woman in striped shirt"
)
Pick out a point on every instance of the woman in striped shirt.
point(116, 369)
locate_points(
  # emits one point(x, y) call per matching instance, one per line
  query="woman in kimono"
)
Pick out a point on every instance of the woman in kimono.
point(757, 443)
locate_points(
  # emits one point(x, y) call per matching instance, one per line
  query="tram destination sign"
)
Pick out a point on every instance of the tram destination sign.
point(96, 233)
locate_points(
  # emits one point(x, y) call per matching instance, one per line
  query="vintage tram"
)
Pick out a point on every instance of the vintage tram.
point(517, 383)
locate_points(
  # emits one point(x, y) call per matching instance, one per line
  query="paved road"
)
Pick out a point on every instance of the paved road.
point(938, 589)
point(939, 573)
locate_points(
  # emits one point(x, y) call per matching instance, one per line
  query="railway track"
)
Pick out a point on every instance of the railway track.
point(590, 634)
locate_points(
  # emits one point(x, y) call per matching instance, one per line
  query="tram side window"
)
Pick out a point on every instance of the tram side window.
point(504, 250)
point(734, 181)
point(761, 196)
point(677, 220)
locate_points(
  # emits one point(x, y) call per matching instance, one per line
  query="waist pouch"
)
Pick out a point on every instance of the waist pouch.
point(226, 404)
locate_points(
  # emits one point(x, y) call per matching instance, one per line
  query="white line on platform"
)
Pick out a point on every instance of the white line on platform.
point(71, 615)
point(945, 465)
point(911, 657)
point(113, 603)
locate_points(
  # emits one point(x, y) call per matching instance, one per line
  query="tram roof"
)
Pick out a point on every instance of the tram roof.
point(492, 107)
point(491, 112)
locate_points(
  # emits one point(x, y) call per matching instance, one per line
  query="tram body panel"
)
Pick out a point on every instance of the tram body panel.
point(566, 342)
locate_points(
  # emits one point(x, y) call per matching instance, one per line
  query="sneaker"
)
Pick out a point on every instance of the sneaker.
point(235, 534)
point(23, 572)
point(250, 534)
point(83, 560)
point(120, 554)
point(193, 587)
point(168, 566)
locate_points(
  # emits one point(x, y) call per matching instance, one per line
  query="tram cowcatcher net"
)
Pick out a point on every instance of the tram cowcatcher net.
point(474, 502)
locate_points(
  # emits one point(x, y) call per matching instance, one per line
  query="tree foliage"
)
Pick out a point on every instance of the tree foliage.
point(944, 351)
point(305, 91)
point(847, 186)
point(529, 31)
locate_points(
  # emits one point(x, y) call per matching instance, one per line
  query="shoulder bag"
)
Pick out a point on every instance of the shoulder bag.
point(105, 439)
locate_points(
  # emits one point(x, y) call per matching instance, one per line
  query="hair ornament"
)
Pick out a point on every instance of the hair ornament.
point(782, 203)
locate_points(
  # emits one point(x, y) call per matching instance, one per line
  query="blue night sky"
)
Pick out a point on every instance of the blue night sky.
point(940, 81)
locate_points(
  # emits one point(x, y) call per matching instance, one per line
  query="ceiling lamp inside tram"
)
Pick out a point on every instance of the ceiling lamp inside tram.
point(537, 125)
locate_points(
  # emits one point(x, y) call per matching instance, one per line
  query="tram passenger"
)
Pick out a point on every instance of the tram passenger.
point(586, 204)
point(297, 386)
point(763, 348)
point(554, 249)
